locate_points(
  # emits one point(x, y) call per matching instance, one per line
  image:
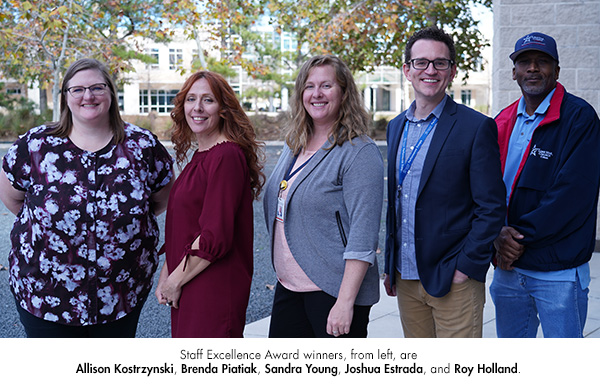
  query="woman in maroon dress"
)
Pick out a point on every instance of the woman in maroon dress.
point(209, 225)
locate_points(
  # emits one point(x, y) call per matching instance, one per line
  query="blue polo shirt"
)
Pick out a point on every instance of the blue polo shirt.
point(520, 137)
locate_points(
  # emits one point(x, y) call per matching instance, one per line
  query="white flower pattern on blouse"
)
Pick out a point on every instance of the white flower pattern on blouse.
point(84, 243)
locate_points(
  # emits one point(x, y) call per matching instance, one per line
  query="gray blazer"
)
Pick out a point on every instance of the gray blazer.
point(332, 213)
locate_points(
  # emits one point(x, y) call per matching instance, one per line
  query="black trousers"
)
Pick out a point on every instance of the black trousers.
point(304, 315)
point(39, 328)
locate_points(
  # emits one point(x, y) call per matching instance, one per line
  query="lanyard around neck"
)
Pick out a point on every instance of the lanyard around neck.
point(284, 183)
point(406, 164)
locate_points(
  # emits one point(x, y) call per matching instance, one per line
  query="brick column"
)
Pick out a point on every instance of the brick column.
point(575, 25)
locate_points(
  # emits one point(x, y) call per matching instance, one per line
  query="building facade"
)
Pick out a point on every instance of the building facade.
point(149, 90)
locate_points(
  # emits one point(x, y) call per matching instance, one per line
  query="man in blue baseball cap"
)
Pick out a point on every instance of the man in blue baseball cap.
point(550, 151)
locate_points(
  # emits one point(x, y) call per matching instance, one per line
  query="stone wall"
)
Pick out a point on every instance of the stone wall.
point(575, 25)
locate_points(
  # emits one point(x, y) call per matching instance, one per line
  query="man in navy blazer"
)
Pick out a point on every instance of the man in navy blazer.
point(446, 199)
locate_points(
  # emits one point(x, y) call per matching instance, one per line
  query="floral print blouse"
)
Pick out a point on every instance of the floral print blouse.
point(84, 242)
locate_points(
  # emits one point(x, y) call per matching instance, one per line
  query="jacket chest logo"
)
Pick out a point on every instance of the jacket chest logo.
point(543, 154)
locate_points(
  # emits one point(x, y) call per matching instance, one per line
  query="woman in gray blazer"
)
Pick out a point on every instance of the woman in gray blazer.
point(322, 208)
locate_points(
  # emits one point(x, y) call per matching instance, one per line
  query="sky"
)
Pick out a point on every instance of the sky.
point(486, 20)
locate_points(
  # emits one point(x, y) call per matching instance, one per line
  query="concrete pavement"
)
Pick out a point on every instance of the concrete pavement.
point(385, 318)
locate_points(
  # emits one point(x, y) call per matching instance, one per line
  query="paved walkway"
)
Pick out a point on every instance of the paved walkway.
point(385, 319)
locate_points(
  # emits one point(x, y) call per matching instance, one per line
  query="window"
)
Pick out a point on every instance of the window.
point(385, 103)
point(175, 58)
point(121, 99)
point(479, 64)
point(160, 101)
point(153, 52)
point(465, 96)
point(287, 44)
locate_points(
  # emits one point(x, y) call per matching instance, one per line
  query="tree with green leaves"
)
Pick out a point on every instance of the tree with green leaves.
point(217, 24)
point(39, 39)
point(370, 33)
point(228, 28)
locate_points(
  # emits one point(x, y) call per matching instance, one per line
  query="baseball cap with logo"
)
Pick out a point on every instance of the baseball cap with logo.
point(536, 41)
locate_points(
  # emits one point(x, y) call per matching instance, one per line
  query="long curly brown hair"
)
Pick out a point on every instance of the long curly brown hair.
point(234, 124)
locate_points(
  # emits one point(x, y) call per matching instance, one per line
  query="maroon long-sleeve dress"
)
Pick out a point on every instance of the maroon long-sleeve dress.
point(212, 198)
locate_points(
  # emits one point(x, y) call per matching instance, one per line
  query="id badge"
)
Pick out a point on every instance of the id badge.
point(280, 209)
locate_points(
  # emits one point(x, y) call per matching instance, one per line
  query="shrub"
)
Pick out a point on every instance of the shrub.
point(17, 115)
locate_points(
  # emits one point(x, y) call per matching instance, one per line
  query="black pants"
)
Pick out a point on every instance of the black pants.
point(39, 328)
point(304, 315)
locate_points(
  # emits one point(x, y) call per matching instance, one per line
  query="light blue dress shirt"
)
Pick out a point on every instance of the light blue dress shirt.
point(406, 198)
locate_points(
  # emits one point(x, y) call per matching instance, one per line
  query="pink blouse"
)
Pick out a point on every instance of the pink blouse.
point(289, 273)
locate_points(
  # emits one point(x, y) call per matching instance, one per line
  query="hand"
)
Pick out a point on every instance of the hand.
point(504, 262)
point(170, 292)
point(389, 289)
point(164, 274)
point(167, 292)
point(340, 315)
point(340, 318)
point(459, 277)
point(508, 248)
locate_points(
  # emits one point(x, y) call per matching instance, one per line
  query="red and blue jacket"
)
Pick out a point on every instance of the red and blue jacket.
point(554, 197)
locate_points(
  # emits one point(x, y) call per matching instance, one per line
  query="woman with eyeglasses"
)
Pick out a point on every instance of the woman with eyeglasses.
point(86, 191)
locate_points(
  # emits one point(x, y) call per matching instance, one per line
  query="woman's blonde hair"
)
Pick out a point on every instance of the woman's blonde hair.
point(353, 119)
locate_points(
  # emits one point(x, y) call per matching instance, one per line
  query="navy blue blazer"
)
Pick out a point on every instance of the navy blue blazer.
point(461, 203)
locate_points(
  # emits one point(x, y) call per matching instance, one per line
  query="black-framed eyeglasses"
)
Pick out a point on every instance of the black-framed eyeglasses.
point(96, 90)
point(438, 64)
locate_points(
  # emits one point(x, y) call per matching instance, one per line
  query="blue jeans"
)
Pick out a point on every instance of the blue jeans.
point(522, 303)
